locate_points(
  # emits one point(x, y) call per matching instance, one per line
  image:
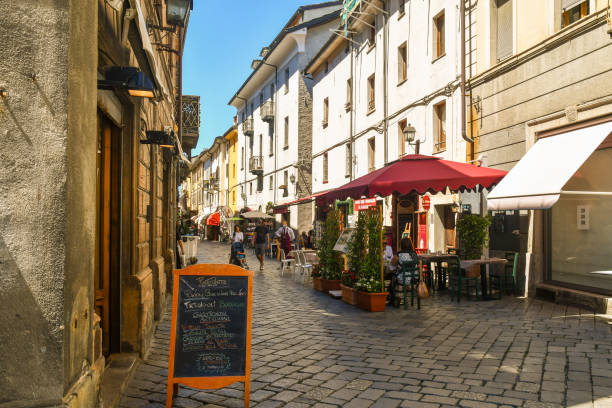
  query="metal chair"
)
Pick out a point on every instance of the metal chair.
point(458, 281)
point(284, 262)
point(505, 281)
point(304, 266)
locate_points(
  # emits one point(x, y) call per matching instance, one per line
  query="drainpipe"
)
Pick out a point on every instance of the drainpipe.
point(463, 95)
point(385, 79)
point(352, 102)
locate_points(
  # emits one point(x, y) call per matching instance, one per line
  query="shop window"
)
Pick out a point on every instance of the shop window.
point(401, 143)
point(286, 144)
point(371, 93)
point(439, 36)
point(439, 118)
point(325, 168)
point(402, 63)
point(580, 234)
point(325, 112)
point(371, 154)
point(573, 10)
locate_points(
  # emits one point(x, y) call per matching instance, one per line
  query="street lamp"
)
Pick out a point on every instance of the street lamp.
point(176, 11)
point(410, 136)
point(130, 78)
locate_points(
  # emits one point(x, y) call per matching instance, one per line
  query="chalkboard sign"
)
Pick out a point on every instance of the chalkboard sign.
point(211, 328)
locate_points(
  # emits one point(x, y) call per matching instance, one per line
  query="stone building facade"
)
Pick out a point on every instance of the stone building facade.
point(88, 211)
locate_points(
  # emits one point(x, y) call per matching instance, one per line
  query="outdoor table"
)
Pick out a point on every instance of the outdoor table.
point(437, 258)
point(484, 275)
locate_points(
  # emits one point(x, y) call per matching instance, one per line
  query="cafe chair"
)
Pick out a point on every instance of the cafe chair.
point(406, 279)
point(458, 281)
point(284, 262)
point(303, 266)
point(505, 281)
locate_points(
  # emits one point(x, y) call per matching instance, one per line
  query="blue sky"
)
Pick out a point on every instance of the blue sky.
point(222, 40)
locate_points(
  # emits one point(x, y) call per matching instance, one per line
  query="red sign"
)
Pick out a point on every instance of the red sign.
point(426, 203)
point(364, 204)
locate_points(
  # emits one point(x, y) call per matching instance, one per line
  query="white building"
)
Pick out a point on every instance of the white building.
point(274, 118)
point(398, 66)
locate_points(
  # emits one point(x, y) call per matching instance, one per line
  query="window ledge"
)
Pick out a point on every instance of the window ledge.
point(371, 46)
point(285, 147)
point(271, 154)
point(370, 111)
point(438, 58)
point(400, 83)
point(439, 151)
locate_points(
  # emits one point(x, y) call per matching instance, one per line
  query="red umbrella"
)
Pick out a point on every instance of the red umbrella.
point(214, 219)
point(420, 174)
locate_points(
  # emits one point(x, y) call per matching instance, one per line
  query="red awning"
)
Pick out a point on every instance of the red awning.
point(214, 219)
point(417, 173)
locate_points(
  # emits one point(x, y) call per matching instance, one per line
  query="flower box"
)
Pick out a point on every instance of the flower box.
point(317, 283)
point(349, 295)
point(329, 284)
point(372, 302)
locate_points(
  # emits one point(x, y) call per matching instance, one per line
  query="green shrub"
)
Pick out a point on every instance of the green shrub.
point(369, 277)
point(330, 259)
point(473, 234)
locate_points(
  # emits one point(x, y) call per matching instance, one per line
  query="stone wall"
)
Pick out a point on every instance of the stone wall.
point(304, 171)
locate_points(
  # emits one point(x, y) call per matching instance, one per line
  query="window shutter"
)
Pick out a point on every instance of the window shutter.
point(504, 28)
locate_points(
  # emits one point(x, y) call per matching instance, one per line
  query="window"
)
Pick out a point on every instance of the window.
point(286, 145)
point(272, 91)
point(271, 183)
point(286, 183)
point(401, 7)
point(271, 152)
point(242, 159)
point(251, 188)
point(234, 197)
point(325, 168)
point(234, 170)
point(261, 99)
point(439, 127)
point(242, 190)
point(250, 147)
point(573, 10)
point(371, 94)
point(372, 34)
point(401, 143)
point(349, 161)
point(286, 80)
point(251, 109)
point(438, 36)
point(325, 111)
point(349, 93)
point(402, 63)
point(261, 145)
point(503, 29)
point(371, 154)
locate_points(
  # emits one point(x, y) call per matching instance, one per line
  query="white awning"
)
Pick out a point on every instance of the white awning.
point(148, 48)
point(536, 181)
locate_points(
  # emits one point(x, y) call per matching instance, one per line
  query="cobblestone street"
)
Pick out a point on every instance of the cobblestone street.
point(312, 350)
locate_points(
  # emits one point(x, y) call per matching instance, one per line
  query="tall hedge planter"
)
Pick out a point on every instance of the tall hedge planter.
point(372, 302)
point(349, 295)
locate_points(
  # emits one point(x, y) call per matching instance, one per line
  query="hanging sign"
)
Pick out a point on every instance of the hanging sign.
point(210, 338)
point(364, 204)
point(426, 203)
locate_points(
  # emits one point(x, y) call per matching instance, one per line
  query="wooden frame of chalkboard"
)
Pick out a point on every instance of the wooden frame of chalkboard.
point(211, 316)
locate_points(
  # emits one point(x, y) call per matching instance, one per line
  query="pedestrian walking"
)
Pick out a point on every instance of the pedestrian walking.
point(261, 242)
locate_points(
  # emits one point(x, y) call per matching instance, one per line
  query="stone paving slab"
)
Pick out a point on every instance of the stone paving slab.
point(310, 350)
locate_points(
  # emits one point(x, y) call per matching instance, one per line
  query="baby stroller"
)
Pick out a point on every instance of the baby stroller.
point(237, 255)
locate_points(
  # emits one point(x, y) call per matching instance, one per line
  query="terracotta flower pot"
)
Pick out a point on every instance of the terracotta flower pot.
point(331, 285)
point(349, 295)
point(317, 283)
point(372, 302)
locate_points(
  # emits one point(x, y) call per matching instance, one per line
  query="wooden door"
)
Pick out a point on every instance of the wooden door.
point(449, 227)
point(106, 279)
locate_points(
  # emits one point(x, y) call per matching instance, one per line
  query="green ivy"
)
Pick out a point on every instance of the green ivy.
point(473, 233)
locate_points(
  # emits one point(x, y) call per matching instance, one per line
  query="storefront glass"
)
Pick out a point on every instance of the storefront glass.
point(581, 228)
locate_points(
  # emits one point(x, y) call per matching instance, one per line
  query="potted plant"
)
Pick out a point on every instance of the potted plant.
point(371, 295)
point(328, 258)
point(317, 280)
point(356, 251)
point(473, 234)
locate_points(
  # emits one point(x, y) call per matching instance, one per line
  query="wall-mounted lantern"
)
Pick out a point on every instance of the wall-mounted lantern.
point(160, 138)
point(176, 11)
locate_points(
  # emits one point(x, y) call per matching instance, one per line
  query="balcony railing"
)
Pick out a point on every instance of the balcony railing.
point(247, 127)
point(267, 111)
point(256, 164)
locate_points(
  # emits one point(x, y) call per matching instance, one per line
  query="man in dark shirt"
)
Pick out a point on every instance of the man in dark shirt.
point(261, 241)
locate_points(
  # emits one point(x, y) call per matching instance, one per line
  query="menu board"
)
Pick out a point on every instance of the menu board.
point(210, 338)
point(211, 326)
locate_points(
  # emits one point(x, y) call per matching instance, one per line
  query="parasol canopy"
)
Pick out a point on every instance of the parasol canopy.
point(417, 173)
point(214, 219)
point(256, 214)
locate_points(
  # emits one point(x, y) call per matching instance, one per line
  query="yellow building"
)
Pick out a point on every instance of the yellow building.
point(232, 177)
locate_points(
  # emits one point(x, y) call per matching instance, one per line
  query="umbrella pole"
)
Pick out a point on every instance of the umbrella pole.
point(382, 264)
